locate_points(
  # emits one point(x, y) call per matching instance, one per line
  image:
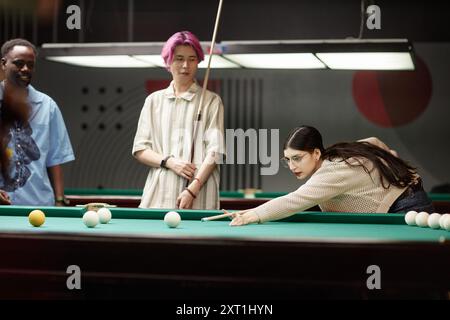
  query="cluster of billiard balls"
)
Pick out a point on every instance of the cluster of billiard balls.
point(423, 219)
point(90, 218)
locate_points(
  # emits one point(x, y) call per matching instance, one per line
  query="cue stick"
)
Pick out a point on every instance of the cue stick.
point(205, 83)
point(220, 216)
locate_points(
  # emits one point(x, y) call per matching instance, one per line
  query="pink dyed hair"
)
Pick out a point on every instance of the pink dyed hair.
point(181, 38)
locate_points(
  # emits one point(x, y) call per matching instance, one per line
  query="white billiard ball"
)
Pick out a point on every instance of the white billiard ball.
point(104, 215)
point(422, 219)
point(172, 219)
point(433, 220)
point(447, 223)
point(410, 218)
point(90, 219)
point(441, 220)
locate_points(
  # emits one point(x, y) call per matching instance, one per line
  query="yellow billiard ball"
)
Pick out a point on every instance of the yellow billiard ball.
point(36, 218)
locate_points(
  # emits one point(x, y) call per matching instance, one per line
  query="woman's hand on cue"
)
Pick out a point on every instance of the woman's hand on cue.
point(241, 218)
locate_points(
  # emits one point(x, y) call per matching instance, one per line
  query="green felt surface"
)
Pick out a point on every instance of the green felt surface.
point(313, 226)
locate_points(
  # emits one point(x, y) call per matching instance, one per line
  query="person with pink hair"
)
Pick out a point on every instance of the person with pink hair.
point(165, 133)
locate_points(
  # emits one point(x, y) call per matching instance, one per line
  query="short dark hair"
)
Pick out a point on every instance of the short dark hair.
point(10, 44)
point(304, 138)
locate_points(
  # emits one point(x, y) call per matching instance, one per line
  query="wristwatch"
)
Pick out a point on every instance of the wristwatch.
point(164, 161)
point(62, 200)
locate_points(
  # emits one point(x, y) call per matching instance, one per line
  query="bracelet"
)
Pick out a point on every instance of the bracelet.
point(63, 200)
point(191, 193)
point(201, 184)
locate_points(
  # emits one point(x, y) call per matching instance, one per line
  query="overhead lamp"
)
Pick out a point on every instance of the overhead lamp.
point(154, 59)
point(367, 60)
point(119, 55)
point(217, 61)
point(374, 54)
point(270, 55)
point(103, 61)
point(277, 60)
point(347, 54)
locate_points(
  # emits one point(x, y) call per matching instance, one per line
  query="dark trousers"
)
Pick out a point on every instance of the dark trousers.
point(413, 198)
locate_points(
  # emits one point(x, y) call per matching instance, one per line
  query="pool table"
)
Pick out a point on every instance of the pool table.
point(308, 255)
point(236, 200)
point(441, 202)
point(130, 198)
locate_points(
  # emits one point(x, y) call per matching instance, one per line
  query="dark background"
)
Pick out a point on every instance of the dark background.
point(148, 20)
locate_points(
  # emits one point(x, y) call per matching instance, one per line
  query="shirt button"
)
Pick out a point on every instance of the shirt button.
point(18, 146)
point(18, 163)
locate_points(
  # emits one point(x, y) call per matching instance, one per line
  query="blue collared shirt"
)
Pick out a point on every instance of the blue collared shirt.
point(44, 143)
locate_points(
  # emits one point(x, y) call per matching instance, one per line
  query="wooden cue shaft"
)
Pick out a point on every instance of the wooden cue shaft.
point(220, 216)
point(205, 82)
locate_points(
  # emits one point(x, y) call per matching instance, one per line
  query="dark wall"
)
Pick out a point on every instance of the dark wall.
point(151, 20)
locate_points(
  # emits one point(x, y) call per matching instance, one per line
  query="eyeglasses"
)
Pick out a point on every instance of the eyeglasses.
point(295, 160)
point(21, 63)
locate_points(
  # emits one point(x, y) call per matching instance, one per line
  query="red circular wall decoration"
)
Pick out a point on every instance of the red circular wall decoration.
point(393, 98)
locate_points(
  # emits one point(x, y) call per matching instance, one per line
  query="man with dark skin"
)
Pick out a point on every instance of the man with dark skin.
point(33, 138)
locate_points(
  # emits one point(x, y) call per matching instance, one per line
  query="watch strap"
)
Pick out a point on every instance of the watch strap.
point(164, 161)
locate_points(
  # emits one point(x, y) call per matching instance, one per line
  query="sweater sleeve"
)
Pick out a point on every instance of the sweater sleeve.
point(330, 180)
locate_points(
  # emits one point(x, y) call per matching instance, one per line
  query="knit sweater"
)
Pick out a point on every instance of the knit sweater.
point(336, 187)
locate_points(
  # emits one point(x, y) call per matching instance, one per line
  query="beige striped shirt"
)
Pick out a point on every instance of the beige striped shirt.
point(166, 126)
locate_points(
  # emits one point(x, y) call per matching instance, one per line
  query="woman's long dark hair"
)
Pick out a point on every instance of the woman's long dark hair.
point(396, 171)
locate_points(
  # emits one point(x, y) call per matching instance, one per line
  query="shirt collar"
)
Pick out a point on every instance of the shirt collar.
point(188, 95)
point(33, 95)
